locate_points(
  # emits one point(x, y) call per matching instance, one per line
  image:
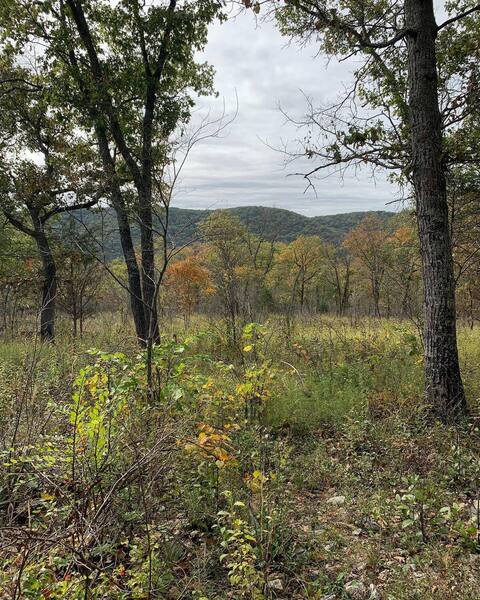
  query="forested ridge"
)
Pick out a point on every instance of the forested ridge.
point(271, 223)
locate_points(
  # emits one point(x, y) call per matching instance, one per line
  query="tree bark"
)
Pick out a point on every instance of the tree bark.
point(345, 295)
point(137, 303)
point(141, 175)
point(443, 383)
point(148, 266)
point(73, 296)
point(135, 293)
point(302, 291)
point(49, 291)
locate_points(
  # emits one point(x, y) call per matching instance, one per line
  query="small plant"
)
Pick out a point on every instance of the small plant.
point(213, 452)
point(419, 506)
point(256, 389)
point(414, 502)
point(240, 555)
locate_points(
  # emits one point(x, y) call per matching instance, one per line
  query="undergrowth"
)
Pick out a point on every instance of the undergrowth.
point(293, 466)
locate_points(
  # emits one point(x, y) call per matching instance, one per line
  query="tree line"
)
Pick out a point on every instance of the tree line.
point(245, 277)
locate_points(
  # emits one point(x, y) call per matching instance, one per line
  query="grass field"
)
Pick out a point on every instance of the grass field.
point(300, 464)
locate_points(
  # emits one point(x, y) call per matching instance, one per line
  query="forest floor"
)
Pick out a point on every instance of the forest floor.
point(300, 463)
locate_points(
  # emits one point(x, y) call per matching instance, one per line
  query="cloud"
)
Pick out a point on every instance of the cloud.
point(254, 63)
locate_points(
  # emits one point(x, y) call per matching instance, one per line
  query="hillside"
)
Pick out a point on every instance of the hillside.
point(272, 223)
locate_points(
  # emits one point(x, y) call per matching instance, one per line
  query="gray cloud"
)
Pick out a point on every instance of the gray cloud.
point(254, 63)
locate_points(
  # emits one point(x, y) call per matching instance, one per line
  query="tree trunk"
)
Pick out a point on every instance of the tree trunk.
point(133, 272)
point(148, 266)
point(376, 295)
point(338, 292)
point(302, 291)
point(407, 303)
point(102, 109)
point(443, 383)
point(108, 162)
point(73, 298)
point(49, 292)
point(346, 290)
point(144, 189)
point(134, 280)
point(472, 308)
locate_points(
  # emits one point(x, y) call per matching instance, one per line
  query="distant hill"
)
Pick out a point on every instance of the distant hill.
point(272, 223)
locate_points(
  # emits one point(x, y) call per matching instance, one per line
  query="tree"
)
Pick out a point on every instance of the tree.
point(260, 257)
point(399, 80)
point(45, 170)
point(188, 281)
point(464, 202)
point(338, 273)
point(404, 268)
point(130, 71)
point(368, 243)
point(300, 264)
point(80, 274)
point(18, 276)
point(226, 257)
point(442, 369)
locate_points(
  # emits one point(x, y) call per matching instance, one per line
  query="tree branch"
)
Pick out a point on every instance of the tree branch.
point(18, 224)
point(71, 207)
point(458, 17)
point(332, 20)
point(97, 72)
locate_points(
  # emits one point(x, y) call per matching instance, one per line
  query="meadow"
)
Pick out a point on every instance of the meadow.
point(300, 463)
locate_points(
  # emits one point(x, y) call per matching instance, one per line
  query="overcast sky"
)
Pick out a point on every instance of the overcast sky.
point(255, 64)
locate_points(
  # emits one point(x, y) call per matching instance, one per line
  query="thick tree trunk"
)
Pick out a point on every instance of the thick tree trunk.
point(98, 120)
point(137, 303)
point(133, 272)
point(49, 292)
point(443, 383)
point(103, 108)
point(148, 266)
point(144, 189)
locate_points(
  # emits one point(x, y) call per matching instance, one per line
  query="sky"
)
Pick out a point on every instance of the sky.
point(258, 71)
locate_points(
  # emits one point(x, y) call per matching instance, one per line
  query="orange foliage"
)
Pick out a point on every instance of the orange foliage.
point(403, 236)
point(188, 280)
